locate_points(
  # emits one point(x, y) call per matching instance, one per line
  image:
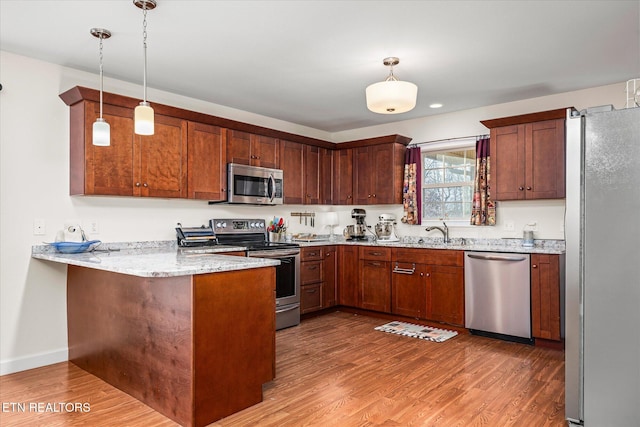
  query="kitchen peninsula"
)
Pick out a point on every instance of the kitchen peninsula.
point(170, 328)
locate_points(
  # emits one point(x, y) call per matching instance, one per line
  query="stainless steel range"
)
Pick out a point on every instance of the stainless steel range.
point(252, 234)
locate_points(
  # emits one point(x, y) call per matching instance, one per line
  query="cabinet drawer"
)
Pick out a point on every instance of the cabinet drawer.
point(375, 253)
point(310, 272)
point(429, 256)
point(310, 254)
point(311, 298)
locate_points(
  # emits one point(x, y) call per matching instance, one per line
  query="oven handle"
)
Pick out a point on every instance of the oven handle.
point(273, 254)
point(288, 308)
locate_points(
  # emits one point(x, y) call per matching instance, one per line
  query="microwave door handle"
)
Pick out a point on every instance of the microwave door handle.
point(272, 188)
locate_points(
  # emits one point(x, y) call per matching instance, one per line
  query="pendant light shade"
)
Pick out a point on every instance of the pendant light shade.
point(143, 114)
point(101, 135)
point(391, 96)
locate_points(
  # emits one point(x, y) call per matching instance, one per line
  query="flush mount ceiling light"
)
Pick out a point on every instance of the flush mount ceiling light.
point(391, 96)
point(143, 114)
point(101, 129)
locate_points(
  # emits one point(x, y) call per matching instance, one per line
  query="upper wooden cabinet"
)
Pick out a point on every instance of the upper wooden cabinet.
point(304, 169)
point(207, 162)
point(343, 176)
point(527, 156)
point(311, 175)
point(325, 175)
point(133, 165)
point(378, 174)
point(292, 155)
point(250, 149)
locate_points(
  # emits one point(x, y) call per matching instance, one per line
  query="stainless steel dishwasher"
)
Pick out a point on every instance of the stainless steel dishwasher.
point(497, 295)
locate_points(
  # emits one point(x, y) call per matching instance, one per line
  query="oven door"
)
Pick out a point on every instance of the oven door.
point(254, 185)
point(287, 274)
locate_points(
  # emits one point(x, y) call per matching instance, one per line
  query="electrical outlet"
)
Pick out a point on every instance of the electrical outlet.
point(39, 227)
point(509, 226)
point(532, 225)
point(92, 227)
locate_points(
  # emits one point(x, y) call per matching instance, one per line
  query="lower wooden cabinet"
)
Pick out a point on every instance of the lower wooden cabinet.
point(329, 282)
point(445, 294)
point(317, 278)
point(408, 289)
point(374, 291)
point(348, 275)
point(545, 297)
point(310, 298)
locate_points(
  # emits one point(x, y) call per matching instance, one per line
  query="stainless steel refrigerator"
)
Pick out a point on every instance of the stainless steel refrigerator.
point(602, 306)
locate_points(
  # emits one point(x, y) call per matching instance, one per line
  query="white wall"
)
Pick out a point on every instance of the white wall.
point(34, 167)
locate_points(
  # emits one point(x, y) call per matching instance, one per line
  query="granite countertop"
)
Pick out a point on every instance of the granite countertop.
point(155, 259)
point(480, 245)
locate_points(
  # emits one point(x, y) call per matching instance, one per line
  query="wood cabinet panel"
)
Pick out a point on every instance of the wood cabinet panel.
point(375, 253)
point(310, 272)
point(311, 175)
point(325, 175)
point(101, 170)
point(545, 296)
point(239, 147)
point(445, 294)
point(310, 253)
point(251, 149)
point(408, 290)
point(378, 174)
point(348, 276)
point(362, 176)
point(343, 177)
point(329, 271)
point(375, 286)
point(310, 298)
point(527, 159)
point(162, 160)
point(207, 160)
point(292, 155)
point(429, 256)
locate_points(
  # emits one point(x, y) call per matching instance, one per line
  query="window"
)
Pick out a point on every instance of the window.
point(448, 175)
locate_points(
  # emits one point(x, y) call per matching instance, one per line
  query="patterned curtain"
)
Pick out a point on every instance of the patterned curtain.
point(483, 209)
point(411, 190)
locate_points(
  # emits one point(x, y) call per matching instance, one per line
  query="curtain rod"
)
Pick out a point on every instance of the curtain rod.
point(417, 144)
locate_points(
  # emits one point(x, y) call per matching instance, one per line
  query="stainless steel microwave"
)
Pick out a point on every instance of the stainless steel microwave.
point(254, 185)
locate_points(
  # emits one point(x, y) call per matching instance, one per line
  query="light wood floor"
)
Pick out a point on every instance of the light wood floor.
point(336, 370)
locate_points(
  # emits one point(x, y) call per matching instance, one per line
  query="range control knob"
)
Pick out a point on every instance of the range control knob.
point(262, 225)
point(218, 225)
point(224, 225)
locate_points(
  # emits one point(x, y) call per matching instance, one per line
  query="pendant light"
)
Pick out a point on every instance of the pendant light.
point(143, 114)
point(101, 129)
point(391, 96)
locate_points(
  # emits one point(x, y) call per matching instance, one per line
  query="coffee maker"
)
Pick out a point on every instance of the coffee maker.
point(357, 231)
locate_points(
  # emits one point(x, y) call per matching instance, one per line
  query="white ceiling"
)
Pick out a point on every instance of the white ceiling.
point(309, 62)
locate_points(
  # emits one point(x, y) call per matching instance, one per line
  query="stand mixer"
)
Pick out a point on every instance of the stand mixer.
point(357, 231)
point(385, 228)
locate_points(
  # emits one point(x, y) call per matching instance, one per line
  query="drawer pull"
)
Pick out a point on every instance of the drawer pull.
point(311, 291)
point(375, 253)
point(399, 270)
point(374, 264)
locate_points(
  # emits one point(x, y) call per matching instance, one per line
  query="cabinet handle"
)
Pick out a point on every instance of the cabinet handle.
point(398, 270)
point(534, 266)
point(428, 274)
point(145, 185)
point(528, 188)
point(375, 253)
point(520, 188)
point(312, 267)
point(421, 274)
point(369, 196)
point(223, 190)
point(327, 254)
point(311, 291)
point(374, 195)
point(348, 197)
point(137, 184)
point(374, 264)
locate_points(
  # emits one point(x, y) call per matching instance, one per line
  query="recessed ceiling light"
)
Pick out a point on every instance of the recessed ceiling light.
point(436, 105)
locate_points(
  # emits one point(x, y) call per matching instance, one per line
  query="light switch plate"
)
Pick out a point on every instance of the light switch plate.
point(509, 226)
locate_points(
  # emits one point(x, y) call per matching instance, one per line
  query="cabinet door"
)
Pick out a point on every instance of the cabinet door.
point(292, 155)
point(508, 163)
point(348, 276)
point(408, 290)
point(544, 153)
point(329, 291)
point(545, 296)
point(161, 160)
point(387, 162)
point(207, 162)
point(239, 147)
point(106, 170)
point(265, 152)
point(362, 175)
point(311, 175)
point(310, 298)
point(375, 286)
point(325, 175)
point(445, 294)
point(343, 177)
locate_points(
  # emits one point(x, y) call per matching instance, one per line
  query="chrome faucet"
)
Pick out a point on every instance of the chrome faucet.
point(444, 230)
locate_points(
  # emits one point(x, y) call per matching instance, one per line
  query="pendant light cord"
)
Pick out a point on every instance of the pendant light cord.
point(101, 85)
point(144, 45)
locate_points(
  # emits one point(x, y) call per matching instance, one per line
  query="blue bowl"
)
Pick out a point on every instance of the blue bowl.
point(75, 247)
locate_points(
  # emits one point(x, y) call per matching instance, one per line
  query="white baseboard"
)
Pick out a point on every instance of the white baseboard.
point(34, 361)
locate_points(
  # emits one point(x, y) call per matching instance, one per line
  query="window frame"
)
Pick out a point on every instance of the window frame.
point(441, 147)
